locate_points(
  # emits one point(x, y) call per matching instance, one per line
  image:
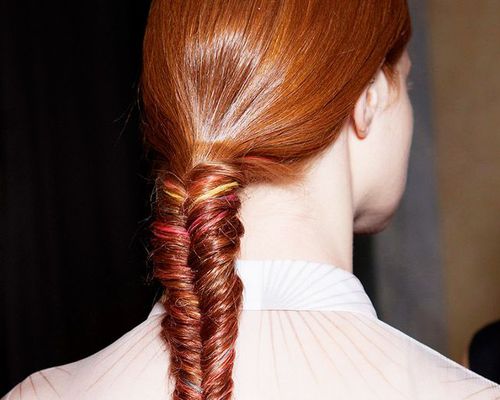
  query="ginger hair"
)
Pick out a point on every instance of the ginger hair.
point(235, 92)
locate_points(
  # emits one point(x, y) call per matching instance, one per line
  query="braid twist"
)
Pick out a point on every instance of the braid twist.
point(215, 231)
point(196, 236)
point(181, 324)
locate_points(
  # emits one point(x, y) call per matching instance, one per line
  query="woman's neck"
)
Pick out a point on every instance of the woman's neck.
point(312, 220)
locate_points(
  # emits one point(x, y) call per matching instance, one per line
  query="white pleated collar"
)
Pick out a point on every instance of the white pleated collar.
point(287, 284)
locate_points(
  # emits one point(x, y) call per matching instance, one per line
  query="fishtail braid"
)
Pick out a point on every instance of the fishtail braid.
point(181, 324)
point(215, 230)
point(198, 235)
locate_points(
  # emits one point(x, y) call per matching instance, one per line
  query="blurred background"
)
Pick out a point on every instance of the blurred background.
point(74, 191)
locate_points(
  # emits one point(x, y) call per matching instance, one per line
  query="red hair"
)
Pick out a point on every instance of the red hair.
point(236, 92)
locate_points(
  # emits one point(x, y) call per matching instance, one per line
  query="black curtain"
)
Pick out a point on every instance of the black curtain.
point(73, 189)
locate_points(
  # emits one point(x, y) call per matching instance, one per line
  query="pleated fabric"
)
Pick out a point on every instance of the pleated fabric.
point(308, 330)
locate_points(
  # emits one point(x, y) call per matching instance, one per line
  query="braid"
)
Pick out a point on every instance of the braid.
point(196, 236)
point(215, 231)
point(181, 324)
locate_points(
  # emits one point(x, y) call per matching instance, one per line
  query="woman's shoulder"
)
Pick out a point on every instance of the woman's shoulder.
point(296, 354)
point(44, 384)
point(131, 367)
point(430, 368)
point(308, 350)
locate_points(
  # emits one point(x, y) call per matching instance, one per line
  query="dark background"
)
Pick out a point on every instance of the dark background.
point(74, 191)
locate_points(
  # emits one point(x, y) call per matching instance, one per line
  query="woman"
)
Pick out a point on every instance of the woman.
point(277, 128)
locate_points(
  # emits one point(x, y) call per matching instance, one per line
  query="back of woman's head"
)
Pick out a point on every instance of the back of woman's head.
point(234, 93)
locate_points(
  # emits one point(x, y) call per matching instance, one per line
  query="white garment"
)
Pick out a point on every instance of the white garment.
point(307, 331)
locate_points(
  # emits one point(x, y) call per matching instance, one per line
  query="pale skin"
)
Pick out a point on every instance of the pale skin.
point(354, 187)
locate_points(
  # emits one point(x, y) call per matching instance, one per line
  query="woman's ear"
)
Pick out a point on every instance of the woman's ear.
point(365, 108)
